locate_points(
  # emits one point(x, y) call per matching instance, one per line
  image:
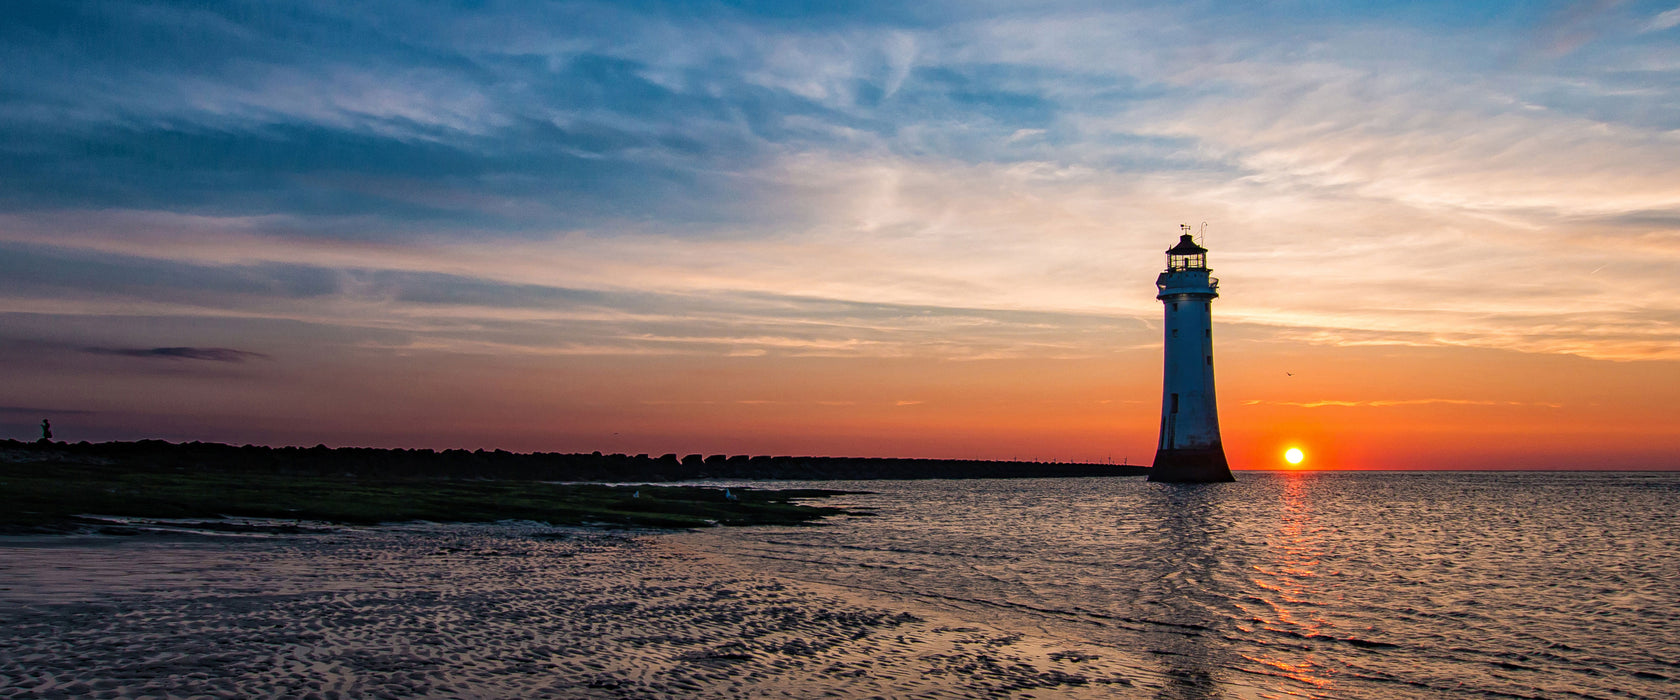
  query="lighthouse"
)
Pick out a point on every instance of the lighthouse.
point(1189, 450)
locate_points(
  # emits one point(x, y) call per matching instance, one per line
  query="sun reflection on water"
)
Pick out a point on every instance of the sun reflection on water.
point(1290, 592)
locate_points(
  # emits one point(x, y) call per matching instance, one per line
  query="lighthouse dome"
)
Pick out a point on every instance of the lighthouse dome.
point(1186, 246)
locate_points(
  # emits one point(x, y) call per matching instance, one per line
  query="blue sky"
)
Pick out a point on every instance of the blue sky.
point(944, 181)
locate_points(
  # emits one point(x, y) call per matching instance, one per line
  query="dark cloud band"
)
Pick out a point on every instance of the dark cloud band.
point(183, 353)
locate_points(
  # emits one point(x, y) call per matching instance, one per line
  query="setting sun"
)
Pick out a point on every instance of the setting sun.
point(1294, 455)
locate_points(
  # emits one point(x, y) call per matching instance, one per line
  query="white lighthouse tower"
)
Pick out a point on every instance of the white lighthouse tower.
point(1189, 450)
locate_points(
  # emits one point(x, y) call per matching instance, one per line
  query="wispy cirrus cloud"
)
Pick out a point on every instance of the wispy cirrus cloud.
point(948, 181)
point(1387, 403)
point(757, 153)
point(1664, 20)
point(37, 411)
point(440, 311)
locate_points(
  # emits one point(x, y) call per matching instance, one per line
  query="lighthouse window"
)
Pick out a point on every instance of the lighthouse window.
point(1209, 332)
point(1210, 360)
point(1175, 332)
point(1175, 306)
point(1174, 404)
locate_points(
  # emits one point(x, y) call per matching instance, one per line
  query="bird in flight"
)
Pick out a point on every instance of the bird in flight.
point(1290, 373)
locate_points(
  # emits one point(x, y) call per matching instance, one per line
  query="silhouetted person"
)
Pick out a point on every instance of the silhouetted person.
point(46, 430)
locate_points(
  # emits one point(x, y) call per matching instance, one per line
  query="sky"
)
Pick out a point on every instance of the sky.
point(1447, 234)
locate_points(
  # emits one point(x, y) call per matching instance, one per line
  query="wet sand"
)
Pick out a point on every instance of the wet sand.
point(479, 611)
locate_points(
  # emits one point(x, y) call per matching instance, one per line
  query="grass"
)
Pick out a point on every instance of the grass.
point(46, 496)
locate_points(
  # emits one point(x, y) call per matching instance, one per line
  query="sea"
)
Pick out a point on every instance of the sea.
point(1286, 584)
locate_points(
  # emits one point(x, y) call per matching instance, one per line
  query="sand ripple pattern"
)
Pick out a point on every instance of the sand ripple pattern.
point(480, 611)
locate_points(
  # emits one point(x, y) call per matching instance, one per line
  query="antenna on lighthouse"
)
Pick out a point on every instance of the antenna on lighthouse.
point(1203, 242)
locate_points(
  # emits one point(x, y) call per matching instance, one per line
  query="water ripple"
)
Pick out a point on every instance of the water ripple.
point(1363, 585)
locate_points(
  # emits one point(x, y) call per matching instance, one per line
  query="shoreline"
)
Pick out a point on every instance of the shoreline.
point(508, 610)
point(379, 462)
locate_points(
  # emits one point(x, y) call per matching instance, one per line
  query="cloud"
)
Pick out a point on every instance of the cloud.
point(183, 353)
point(943, 180)
point(36, 411)
point(418, 309)
point(1664, 20)
point(1574, 25)
point(1384, 403)
point(577, 204)
point(64, 275)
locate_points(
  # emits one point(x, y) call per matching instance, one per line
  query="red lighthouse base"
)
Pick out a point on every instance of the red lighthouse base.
point(1191, 466)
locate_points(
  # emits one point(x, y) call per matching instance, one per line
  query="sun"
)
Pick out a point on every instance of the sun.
point(1294, 455)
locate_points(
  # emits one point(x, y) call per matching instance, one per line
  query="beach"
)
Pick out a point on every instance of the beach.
point(499, 610)
point(1376, 586)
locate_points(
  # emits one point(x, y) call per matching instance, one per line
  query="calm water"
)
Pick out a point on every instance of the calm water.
point(1343, 585)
